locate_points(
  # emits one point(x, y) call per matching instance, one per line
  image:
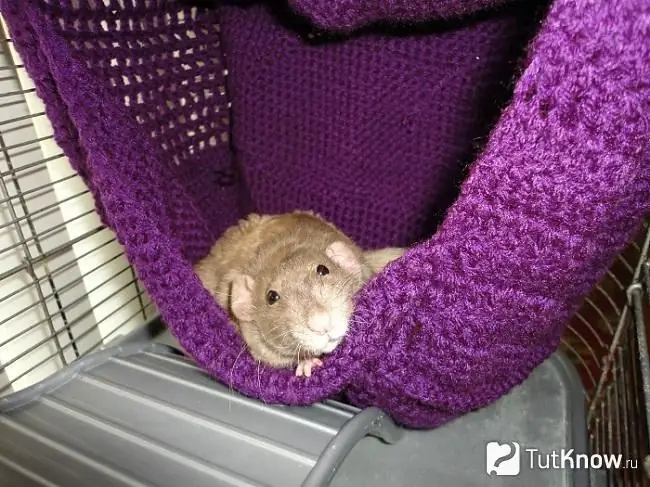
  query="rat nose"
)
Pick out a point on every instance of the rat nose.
point(320, 323)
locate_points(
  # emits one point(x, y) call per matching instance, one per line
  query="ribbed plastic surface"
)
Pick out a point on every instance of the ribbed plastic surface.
point(151, 418)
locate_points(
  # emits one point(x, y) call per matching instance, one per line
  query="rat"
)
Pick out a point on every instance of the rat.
point(288, 282)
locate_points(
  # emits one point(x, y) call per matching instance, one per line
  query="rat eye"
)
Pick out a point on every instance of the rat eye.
point(322, 270)
point(272, 297)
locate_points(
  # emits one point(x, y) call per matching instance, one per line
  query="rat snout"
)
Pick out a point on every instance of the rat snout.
point(326, 329)
point(320, 323)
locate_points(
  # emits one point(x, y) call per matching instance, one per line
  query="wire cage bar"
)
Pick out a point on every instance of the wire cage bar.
point(607, 340)
point(66, 287)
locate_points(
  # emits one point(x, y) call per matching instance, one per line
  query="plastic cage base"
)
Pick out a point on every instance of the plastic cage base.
point(141, 414)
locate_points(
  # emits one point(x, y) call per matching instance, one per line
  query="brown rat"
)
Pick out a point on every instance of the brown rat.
point(288, 283)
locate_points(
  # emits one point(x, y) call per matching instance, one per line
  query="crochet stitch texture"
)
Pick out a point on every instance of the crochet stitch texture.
point(372, 131)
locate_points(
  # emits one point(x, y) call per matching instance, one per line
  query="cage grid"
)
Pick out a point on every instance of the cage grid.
point(66, 287)
point(607, 340)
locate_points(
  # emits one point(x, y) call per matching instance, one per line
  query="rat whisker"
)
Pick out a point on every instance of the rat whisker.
point(282, 339)
point(220, 293)
point(259, 380)
point(280, 326)
point(358, 320)
point(253, 307)
point(282, 334)
point(275, 328)
point(232, 371)
point(279, 337)
point(283, 347)
point(343, 286)
point(302, 336)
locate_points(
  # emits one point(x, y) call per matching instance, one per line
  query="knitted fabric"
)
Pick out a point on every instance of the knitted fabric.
point(347, 15)
point(373, 131)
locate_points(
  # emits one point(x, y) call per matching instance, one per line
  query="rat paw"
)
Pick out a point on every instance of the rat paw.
point(304, 366)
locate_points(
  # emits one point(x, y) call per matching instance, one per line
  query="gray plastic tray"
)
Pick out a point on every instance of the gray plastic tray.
point(141, 414)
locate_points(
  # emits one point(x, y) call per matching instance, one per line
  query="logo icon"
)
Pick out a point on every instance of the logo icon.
point(502, 459)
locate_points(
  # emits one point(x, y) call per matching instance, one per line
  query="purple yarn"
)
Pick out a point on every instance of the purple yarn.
point(347, 15)
point(371, 132)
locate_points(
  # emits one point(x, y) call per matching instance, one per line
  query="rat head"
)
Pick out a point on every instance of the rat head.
point(300, 306)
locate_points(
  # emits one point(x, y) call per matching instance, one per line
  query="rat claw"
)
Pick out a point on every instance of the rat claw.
point(304, 366)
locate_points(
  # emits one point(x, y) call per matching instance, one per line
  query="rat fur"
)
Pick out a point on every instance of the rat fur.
point(288, 282)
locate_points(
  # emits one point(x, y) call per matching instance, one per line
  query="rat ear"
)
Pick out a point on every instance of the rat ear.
point(344, 256)
point(241, 297)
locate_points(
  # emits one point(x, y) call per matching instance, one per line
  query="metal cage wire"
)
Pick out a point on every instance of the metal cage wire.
point(67, 289)
point(607, 340)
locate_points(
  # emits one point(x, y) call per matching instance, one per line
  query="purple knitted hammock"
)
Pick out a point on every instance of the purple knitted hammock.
point(182, 119)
